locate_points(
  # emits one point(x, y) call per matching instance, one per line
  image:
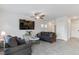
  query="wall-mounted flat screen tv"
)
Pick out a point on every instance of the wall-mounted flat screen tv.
point(26, 24)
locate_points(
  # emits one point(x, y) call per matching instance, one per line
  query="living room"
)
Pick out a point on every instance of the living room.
point(51, 20)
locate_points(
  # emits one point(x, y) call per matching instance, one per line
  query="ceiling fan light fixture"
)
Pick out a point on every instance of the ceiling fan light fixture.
point(37, 17)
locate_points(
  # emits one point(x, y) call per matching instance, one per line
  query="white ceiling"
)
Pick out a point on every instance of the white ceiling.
point(50, 9)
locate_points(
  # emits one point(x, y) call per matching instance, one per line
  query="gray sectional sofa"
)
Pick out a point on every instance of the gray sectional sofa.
point(17, 46)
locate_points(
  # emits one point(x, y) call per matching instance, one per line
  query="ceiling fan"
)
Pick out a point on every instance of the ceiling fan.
point(38, 15)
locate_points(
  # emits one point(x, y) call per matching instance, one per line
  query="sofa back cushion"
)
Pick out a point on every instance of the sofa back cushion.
point(7, 38)
point(46, 33)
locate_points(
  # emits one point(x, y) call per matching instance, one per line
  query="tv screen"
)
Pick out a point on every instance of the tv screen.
point(26, 24)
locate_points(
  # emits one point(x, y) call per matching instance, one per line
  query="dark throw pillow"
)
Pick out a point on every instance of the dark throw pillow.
point(20, 41)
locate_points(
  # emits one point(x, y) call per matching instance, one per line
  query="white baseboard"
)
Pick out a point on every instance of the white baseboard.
point(63, 40)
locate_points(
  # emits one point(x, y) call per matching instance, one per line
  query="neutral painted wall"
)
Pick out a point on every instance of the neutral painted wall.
point(75, 28)
point(50, 25)
point(9, 22)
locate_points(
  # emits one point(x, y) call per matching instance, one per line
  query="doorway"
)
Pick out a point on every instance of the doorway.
point(75, 29)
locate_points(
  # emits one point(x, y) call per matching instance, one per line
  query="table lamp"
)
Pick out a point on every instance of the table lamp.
point(2, 35)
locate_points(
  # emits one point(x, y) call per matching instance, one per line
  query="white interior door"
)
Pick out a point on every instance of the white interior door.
point(62, 28)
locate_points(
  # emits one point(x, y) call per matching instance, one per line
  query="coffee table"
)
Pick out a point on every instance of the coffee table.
point(34, 40)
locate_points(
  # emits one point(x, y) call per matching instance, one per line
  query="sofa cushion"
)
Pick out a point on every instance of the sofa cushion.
point(45, 37)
